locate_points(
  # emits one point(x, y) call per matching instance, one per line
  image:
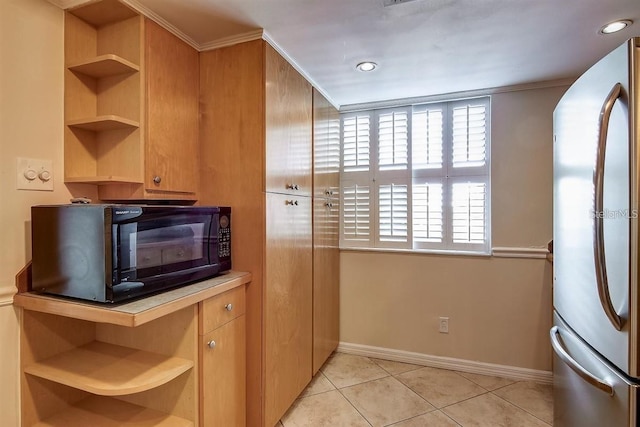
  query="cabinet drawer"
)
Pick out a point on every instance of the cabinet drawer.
point(220, 309)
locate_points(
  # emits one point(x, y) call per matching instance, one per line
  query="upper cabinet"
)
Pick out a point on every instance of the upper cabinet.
point(288, 130)
point(131, 105)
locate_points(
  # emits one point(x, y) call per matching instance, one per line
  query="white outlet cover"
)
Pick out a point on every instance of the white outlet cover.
point(41, 167)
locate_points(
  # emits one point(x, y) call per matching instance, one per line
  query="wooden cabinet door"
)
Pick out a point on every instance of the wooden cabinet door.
point(172, 88)
point(326, 280)
point(288, 109)
point(287, 302)
point(223, 376)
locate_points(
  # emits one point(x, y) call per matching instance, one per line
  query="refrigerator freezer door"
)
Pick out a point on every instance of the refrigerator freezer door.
point(586, 391)
point(591, 228)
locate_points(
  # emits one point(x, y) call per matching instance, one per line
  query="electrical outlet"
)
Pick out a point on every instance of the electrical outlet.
point(443, 325)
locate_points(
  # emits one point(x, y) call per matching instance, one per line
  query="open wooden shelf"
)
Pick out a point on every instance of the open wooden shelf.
point(109, 370)
point(99, 180)
point(103, 123)
point(98, 411)
point(104, 66)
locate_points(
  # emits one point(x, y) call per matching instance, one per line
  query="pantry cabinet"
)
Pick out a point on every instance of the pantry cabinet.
point(326, 216)
point(256, 145)
point(131, 105)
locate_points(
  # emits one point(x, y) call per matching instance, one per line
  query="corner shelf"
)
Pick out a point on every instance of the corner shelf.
point(103, 123)
point(104, 66)
point(109, 370)
point(108, 412)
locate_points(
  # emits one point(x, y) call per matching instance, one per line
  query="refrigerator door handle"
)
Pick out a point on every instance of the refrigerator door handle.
point(575, 366)
point(598, 210)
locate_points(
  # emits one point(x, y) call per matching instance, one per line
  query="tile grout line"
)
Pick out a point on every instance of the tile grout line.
point(523, 409)
point(353, 406)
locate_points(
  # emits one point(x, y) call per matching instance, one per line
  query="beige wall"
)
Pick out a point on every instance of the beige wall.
point(31, 125)
point(499, 308)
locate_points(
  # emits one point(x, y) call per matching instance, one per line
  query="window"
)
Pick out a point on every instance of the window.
point(417, 177)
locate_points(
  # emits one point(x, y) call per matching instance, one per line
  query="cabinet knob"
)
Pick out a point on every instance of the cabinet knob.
point(228, 307)
point(291, 202)
point(328, 192)
point(211, 344)
point(157, 179)
point(293, 187)
point(329, 204)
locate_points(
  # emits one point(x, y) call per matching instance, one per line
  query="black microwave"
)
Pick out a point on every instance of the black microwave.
point(110, 253)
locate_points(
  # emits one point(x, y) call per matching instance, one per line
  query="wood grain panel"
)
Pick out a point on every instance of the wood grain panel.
point(172, 75)
point(123, 38)
point(289, 118)
point(223, 389)
point(288, 303)
point(214, 312)
point(320, 143)
point(232, 174)
point(80, 39)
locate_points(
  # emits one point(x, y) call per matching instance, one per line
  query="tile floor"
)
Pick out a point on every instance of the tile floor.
point(359, 391)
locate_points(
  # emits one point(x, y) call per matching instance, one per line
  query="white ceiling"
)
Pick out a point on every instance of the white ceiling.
point(423, 47)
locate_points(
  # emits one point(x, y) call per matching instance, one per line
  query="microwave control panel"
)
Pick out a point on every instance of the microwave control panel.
point(224, 238)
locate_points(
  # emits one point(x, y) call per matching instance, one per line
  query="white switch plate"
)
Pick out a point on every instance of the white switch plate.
point(42, 169)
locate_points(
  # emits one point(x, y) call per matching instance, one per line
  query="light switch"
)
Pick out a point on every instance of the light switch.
point(34, 174)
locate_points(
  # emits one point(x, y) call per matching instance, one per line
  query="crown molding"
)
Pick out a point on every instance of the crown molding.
point(145, 11)
point(295, 65)
point(457, 95)
point(231, 40)
point(68, 4)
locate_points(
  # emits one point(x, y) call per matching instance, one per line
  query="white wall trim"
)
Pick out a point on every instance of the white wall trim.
point(512, 372)
point(6, 295)
point(515, 252)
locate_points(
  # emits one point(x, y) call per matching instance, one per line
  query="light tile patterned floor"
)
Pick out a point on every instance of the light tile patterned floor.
point(360, 391)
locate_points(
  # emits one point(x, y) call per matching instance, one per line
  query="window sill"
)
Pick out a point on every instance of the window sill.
point(497, 252)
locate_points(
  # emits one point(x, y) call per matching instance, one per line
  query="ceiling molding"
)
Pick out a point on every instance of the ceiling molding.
point(145, 11)
point(68, 4)
point(231, 40)
point(456, 95)
point(295, 65)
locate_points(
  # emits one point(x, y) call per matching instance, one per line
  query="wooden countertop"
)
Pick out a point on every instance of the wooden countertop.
point(137, 312)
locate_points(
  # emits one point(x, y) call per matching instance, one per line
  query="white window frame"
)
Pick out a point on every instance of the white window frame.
point(446, 175)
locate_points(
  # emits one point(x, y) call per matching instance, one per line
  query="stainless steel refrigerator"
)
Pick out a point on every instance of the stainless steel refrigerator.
point(596, 330)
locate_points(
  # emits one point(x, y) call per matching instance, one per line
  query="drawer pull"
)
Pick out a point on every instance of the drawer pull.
point(293, 187)
point(211, 344)
point(291, 202)
point(228, 307)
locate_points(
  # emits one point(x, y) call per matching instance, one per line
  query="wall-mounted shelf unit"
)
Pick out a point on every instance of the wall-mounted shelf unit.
point(131, 105)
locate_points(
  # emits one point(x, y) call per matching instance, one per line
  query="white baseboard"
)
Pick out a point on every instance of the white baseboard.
point(512, 372)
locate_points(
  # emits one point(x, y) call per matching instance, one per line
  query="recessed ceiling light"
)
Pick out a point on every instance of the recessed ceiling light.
point(615, 26)
point(366, 66)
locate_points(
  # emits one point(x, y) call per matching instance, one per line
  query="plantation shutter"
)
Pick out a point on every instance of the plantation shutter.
point(468, 202)
point(357, 227)
point(356, 143)
point(417, 177)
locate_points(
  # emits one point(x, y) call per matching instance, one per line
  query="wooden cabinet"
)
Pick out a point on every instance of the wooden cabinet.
point(326, 216)
point(79, 373)
point(287, 301)
point(131, 105)
point(141, 363)
point(223, 360)
point(256, 133)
